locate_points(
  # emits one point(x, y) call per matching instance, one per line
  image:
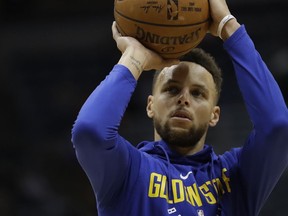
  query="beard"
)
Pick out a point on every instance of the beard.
point(184, 139)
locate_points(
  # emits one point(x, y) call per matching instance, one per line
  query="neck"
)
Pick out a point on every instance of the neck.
point(184, 151)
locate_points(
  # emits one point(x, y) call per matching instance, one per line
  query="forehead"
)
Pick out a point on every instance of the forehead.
point(186, 73)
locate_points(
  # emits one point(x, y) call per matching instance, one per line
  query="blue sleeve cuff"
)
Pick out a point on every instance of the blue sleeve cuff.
point(125, 72)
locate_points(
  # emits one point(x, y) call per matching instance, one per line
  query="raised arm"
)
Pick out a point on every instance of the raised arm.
point(102, 152)
point(265, 154)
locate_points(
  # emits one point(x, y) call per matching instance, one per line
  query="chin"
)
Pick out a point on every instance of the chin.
point(181, 136)
point(179, 131)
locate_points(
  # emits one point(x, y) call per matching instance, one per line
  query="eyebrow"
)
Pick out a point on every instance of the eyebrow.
point(173, 81)
point(201, 86)
point(170, 82)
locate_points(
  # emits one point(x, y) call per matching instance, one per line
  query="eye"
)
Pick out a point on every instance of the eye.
point(172, 90)
point(197, 93)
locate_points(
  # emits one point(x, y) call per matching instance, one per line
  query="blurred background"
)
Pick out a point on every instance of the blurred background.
point(53, 53)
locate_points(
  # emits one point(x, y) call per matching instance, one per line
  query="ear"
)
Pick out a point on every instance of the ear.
point(149, 107)
point(215, 116)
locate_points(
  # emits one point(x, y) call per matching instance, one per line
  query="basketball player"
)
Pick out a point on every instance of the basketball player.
point(178, 174)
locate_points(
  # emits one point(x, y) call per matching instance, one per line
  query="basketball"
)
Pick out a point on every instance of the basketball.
point(169, 27)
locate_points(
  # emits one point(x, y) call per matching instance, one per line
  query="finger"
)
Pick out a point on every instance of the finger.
point(115, 31)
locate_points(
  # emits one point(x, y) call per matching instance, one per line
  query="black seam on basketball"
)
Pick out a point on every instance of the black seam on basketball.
point(164, 25)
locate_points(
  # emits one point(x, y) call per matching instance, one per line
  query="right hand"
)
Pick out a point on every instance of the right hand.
point(136, 57)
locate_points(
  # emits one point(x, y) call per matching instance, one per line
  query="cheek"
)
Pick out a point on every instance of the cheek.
point(161, 108)
point(203, 114)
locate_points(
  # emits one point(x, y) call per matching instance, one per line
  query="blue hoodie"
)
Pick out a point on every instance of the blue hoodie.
point(152, 180)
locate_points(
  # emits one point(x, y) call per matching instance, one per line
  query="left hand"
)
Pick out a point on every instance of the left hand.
point(218, 10)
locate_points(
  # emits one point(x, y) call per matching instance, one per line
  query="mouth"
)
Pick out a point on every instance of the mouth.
point(182, 115)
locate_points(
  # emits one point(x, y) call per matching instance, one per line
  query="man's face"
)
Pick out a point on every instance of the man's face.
point(183, 104)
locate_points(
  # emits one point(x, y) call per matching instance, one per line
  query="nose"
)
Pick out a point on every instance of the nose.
point(184, 98)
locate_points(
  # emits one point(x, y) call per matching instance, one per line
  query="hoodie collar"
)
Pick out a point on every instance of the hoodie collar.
point(161, 149)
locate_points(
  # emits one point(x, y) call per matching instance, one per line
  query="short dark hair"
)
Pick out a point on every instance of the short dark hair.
point(206, 60)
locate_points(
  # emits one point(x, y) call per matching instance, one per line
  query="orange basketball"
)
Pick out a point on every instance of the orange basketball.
point(170, 27)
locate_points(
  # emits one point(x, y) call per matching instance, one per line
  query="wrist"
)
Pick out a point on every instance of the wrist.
point(133, 62)
point(229, 28)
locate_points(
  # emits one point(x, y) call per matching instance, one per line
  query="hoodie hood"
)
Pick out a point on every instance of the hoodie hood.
point(160, 149)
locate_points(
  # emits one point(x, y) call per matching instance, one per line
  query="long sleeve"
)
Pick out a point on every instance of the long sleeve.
point(265, 154)
point(104, 155)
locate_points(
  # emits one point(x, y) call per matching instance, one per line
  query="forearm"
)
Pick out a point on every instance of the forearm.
point(263, 98)
point(101, 114)
point(101, 151)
